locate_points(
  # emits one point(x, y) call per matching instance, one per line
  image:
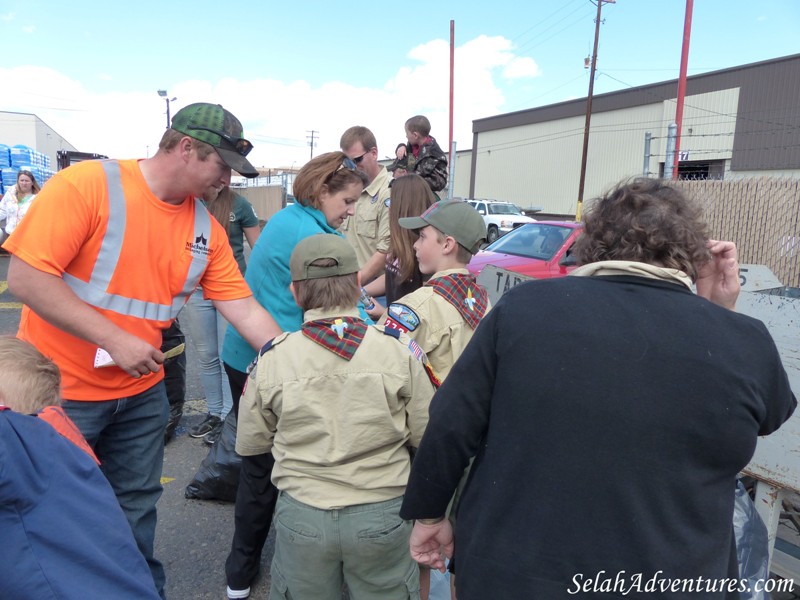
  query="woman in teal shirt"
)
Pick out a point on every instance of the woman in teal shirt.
point(326, 188)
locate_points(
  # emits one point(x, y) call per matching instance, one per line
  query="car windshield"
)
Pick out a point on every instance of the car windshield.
point(534, 240)
point(504, 209)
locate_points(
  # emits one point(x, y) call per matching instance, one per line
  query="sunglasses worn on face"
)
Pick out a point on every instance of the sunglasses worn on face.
point(357, 160)
point(241, 145)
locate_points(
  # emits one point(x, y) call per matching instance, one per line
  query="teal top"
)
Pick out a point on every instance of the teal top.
point(269, 278)
point(242, 215)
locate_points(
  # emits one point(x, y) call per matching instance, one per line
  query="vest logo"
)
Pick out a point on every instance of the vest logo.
point(199, 247)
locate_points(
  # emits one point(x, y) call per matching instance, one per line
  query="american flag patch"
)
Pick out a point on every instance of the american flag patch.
point(418, 352)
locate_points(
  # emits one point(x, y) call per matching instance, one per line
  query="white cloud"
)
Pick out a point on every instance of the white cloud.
point(28, 29)
point(520, 68)
point(279, 116)
point(7, 17)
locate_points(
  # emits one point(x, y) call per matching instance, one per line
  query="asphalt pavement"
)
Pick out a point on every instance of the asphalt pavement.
point(193, 536)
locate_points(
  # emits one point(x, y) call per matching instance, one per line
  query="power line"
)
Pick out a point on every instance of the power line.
point(545, 19)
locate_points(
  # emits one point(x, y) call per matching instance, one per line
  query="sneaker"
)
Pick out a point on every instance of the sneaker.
point(213, 435)
point(237, 594)
point(208, 424)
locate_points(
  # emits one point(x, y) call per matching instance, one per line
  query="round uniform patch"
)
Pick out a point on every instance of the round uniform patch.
point(401, 317)
point(387, 202)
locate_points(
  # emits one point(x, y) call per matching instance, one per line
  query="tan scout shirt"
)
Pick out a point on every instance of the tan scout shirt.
point(339, 430)
point(368, 229)
point(434, 323)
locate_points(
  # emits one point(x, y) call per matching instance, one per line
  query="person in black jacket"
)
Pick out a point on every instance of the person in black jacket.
point(608, 430)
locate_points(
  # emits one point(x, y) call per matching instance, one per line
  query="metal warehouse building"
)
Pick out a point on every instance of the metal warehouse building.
point(29, 130)
point(738, 122)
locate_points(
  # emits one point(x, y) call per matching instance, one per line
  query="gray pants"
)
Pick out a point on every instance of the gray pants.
point(365, 546)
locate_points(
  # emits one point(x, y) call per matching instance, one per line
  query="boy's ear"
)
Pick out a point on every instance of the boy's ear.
point(449, 245)
point(294, 293)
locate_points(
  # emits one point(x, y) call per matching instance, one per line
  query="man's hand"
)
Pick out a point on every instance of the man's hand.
point(718, 279)
point(400, 152)
point(429, 544)
point(134, 356)
point(54, 301)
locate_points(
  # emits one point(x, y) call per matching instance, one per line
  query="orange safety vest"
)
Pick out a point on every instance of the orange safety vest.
point(94, 292)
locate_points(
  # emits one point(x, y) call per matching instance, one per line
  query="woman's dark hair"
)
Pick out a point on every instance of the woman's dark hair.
point(648, 221)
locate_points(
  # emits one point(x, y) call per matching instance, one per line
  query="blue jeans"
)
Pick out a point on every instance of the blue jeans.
point(127, 435)
point(206, 326)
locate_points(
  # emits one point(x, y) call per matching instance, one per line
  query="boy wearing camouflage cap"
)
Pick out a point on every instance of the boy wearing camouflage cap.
point(442, 315)
point(338, 404)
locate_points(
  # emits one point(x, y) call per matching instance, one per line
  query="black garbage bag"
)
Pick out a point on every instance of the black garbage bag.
point(218, 476)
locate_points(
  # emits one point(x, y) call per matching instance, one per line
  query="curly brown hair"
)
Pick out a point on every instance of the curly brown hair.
point(645, 220)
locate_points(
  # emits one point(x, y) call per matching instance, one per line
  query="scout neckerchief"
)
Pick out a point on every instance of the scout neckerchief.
point(463, 292)
point(340, 335)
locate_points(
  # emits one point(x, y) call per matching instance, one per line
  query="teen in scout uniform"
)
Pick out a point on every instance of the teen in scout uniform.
point(338, 404)
point(442, 315)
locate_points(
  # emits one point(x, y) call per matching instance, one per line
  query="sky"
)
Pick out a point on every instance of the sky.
point(293, 70)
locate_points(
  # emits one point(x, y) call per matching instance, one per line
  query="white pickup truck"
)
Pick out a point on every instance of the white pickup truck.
point(500, 217)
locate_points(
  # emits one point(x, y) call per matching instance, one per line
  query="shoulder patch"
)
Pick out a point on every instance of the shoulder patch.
point(395, 333)
point(417, 351)
point(273, 342)
point(387, 202)
point(401, 317)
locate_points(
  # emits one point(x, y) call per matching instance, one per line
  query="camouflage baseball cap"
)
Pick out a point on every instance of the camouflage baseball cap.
point(406, 163)
point(454, 218)
point(323, 245)
point(212, 124)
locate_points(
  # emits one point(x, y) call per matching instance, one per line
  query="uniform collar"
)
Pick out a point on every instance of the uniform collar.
point(315, 314)
point(446, 272)
point(380, 182)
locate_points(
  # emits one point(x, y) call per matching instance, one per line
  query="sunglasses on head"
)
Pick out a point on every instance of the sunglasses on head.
point(346, 163)
point(241, 145)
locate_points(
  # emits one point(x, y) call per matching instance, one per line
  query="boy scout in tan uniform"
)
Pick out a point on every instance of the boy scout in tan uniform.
point(338, 404)
point(442, 315)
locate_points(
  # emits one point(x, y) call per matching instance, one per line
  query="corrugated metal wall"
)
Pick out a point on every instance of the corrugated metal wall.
point(741, 119)
point(539, 164)
point(709, 125)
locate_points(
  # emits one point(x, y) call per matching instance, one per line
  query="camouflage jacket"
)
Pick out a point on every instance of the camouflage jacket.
point(430, 163)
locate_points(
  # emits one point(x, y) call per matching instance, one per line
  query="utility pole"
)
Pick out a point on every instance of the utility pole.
point(311, 141)
point(687, 32)
point(585, 153)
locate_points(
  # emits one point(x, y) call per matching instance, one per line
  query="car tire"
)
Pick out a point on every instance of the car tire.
point(492, 234)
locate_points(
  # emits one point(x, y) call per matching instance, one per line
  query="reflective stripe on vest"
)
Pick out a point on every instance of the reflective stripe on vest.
point(95, 291)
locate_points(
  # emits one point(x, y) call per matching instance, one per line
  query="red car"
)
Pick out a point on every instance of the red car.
point(540, 250)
